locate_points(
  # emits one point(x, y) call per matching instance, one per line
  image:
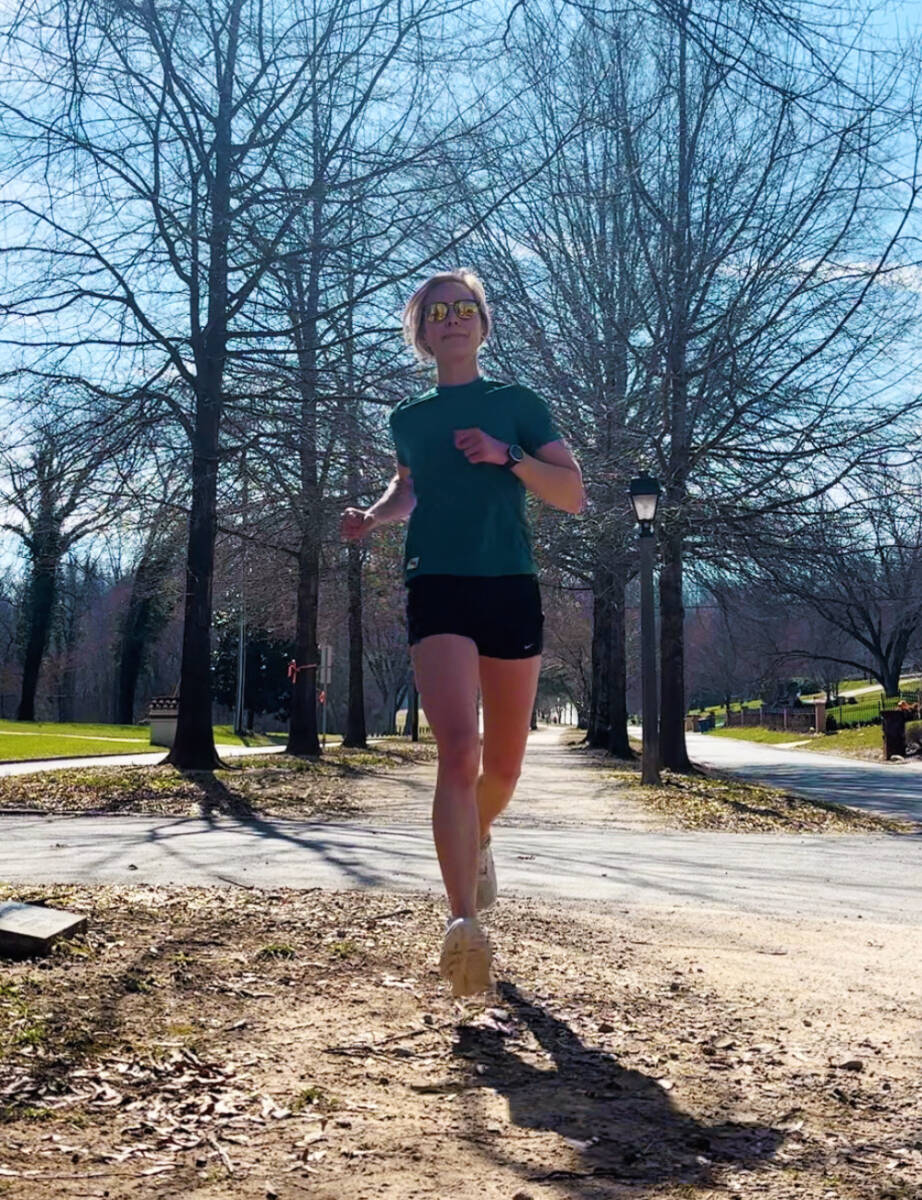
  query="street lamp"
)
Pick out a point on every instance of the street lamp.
point(645, 493)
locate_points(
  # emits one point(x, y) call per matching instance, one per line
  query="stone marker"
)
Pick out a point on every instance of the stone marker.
point(29, 929)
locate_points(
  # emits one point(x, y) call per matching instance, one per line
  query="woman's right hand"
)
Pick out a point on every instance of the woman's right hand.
point(355, 523)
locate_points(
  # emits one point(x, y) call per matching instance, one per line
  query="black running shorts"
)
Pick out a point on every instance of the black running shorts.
point(501, 614)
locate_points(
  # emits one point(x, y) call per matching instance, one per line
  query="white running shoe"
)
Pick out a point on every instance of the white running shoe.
point(486, 876)
point(466, 957)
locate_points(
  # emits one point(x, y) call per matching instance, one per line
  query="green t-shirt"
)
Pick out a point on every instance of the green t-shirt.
point(469, 517)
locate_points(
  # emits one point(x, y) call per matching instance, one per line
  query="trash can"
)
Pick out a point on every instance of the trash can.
point(894, 721)
point(162, 714)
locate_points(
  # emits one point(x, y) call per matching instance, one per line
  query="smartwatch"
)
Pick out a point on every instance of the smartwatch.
point(514, 456)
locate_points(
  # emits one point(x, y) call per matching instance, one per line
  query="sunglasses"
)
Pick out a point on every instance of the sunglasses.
point(464, 310)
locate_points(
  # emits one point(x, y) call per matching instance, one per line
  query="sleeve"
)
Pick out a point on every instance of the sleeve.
point(536, 426)
point(399, 444)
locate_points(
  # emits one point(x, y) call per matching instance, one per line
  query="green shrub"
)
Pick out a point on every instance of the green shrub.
point(914, 735)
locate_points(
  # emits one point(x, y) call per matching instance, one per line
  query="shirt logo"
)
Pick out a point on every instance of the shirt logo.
point(412, 564)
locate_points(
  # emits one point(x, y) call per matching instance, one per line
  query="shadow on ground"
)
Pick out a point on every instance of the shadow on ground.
point(619, 1124)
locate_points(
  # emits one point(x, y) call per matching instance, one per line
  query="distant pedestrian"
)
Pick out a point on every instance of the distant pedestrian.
point(467, 451)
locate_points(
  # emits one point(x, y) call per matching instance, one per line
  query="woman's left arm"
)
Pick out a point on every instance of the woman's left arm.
point(552, 472)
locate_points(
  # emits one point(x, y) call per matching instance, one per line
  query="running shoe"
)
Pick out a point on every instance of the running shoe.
point(486, 876)
point(466, 957)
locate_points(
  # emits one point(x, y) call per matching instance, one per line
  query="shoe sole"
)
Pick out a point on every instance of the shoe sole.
point(486, 889)
point(486, 897)
point(466, 960)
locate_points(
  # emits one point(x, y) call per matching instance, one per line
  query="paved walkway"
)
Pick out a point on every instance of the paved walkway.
point(894, 789)
point(871, 877)
point(35, 766)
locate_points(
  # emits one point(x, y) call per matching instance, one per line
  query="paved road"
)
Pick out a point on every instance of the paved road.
point(877, 878)
point(893, 789)
point(874, 877)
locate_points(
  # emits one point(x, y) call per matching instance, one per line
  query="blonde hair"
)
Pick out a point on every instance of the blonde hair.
point(414, 315)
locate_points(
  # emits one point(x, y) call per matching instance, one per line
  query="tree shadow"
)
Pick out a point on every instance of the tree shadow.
point(619, 1123)
point(215, 797)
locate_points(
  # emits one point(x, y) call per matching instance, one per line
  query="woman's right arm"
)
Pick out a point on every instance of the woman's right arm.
point(396, 504)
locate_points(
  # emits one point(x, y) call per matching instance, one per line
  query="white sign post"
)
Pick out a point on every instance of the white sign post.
point(326, 671)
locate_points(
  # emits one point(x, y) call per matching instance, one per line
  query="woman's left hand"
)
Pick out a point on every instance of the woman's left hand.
point(479, 447)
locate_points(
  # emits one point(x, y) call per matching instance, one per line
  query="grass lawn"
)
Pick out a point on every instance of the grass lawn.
point(719, 710)
point(866, 737)
point(21, 740)
point(755, 733)
point(863, 742)
point(24, 740)
point(907, 683)
point(136, 733)
point(226, 736)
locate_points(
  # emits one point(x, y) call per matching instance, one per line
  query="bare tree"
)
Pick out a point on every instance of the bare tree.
point(763, 292)
point(162, 137)
point(701, 283)
point(562, 257)
point(858, 567)
point(50, 482)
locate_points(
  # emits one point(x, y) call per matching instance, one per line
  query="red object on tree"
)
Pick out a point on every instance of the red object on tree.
point(293, 669)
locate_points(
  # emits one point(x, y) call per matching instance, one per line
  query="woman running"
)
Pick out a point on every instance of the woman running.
point(467, 450)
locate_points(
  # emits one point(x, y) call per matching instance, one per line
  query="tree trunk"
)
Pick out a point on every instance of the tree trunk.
point(618, 743)
point(42, 595)
point(394, 702)
point(598, 732)
point(302, 730)
point(144, 619)
point(356, 733)
point(194, 748)
point(130, 658)
point(67, 683)
point(673, 752)
point(889, 675)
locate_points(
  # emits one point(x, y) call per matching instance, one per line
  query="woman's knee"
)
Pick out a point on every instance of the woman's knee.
point(503, 774)
point(459, 758)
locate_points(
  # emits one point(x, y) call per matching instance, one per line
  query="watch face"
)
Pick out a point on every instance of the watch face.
point(516, 453)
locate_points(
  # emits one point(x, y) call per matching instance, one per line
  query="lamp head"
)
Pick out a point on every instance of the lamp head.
point(645, 492)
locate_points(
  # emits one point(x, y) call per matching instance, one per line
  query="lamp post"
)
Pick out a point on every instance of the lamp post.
point(645, 493)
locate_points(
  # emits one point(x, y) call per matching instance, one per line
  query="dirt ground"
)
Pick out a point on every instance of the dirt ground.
point(224, 1043)
point(238, 1043)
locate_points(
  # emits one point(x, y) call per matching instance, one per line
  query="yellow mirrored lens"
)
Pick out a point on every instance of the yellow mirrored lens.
point(438, 311)
point(466, 309)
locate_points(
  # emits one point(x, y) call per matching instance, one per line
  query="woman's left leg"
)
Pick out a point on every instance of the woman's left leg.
point(508, 687)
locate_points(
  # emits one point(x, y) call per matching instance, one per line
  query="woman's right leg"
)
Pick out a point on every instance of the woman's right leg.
point(447, 669)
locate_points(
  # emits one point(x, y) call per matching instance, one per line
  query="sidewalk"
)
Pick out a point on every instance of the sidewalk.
point(152, 757)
